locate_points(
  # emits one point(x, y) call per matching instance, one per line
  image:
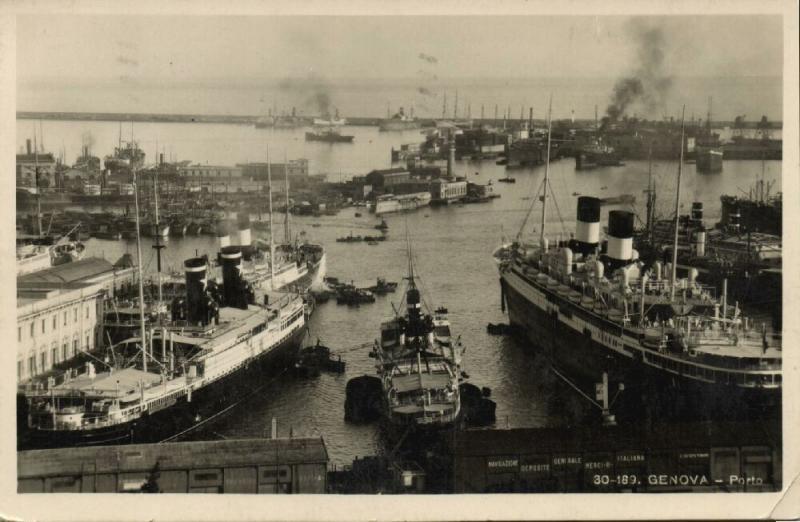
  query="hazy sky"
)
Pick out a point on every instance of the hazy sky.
point(111, 49)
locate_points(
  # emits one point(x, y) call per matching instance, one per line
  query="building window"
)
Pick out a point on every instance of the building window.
point(19, 334)
point(43, 357)
point(65, 318)
point(55, 321)
point(32, 329)
point(32, 365)
point(87, 312)
point(74, 347)
point(75, 314)
point(64, 352)
point(42, 325)
point(20, 369)
point(54, 355)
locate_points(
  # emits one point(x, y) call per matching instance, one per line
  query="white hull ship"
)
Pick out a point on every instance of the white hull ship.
point(186, 370)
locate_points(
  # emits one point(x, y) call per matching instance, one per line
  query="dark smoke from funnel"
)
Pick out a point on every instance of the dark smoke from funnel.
point(314, 90)
point(649, 85)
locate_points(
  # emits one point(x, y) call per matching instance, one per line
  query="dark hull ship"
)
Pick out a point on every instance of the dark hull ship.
point(667, 345)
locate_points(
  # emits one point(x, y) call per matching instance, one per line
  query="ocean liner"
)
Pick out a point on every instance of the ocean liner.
point(217, 346)
point(593, 311)
point(418, 364)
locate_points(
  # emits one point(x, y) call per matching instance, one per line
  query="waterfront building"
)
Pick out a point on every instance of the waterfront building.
point(58, 311)
point(383, 180)
point(446, 191)
point(54, 324)
point(28, 163)
point(295, 169)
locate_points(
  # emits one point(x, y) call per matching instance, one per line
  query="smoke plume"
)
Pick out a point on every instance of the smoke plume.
point(314, 90)
point(648, 87)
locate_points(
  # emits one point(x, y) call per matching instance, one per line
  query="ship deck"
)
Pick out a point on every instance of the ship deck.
point(417, 381)
point(115, 384)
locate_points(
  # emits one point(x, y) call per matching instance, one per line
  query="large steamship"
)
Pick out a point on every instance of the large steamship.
point(218, 346)
point(668, 344)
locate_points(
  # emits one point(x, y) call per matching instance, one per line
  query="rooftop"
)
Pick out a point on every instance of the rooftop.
point(67, 273)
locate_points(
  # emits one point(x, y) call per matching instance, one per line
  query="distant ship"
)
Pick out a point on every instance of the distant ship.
point(708, 159)
point(328, 136)
point(596, 155)
point(126, 156)
point(399, 121)
point(327, 121)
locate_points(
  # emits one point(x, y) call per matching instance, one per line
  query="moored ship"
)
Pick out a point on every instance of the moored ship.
point(418, 364)
point(214, 347)
point(675, 348)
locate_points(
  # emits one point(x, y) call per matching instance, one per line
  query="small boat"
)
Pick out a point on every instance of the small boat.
point(312, 359)
point(349, 239)
point(358, 214)
point(383, 287)
point(372, 242)
point(350, 295)
point(507, 179)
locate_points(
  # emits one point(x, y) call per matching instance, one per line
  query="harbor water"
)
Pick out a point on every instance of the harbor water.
point(452, 249)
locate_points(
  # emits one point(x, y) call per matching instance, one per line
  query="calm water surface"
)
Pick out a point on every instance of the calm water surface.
point(452, 249)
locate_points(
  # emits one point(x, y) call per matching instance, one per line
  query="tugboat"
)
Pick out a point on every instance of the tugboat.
point(419, 366)
point(598, 316)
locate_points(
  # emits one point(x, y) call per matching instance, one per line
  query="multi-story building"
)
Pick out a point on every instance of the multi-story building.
point(53, 325)
point(446, 191)
point(28, 163)
point(59, 312)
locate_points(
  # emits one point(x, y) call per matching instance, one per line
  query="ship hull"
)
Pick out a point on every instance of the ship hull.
point(648, 391)
point(170, 421)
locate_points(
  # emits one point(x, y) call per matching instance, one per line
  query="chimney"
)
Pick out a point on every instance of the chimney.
point(243, 219)
point(232, 277)
point(620, 238)
point(451, 157)
point(196, 309)
point(587, 232)
point(28, 146)
point(223, 234)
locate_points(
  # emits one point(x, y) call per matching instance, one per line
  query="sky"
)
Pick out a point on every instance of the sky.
point(230, 50)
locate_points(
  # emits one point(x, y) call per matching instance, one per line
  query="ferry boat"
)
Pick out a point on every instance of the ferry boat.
point(419, 366)
point(669, 343)
point(217, 346)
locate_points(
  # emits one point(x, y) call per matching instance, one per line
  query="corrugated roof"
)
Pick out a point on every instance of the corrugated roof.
point(174, 455)
point(68, 272)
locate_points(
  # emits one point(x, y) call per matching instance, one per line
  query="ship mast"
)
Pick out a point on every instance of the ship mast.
point(271, 229)
point(36, 180)
point(157, 246)
point(286, 184)
point(139, 264)
point(546, 168)
point(650, 194)
point(677, 214)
